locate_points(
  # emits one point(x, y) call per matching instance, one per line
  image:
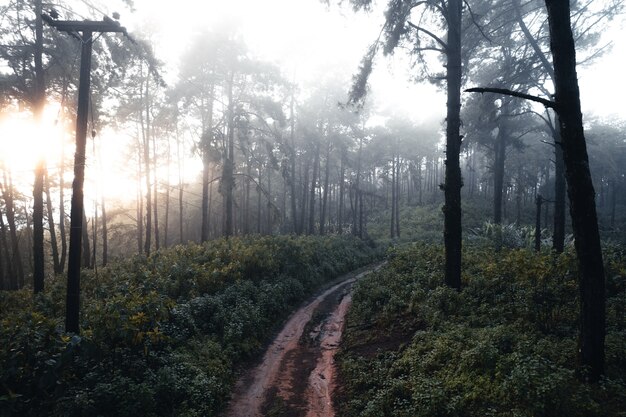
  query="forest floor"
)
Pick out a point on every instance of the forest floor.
point(297, 374)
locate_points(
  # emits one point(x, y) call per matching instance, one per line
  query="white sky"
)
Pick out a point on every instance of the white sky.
point(309, 38)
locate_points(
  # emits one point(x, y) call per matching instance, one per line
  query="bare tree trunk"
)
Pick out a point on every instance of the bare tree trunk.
point(166, 226)
point(11, 278)
point(580, 191)
point(157, 242)
point(392, 230)
point(139, 203)
point(39, 101)
point(145, 131)
point(269, 201)
point(305, 189)
point(86, 252)
point(94, 236)
point(452, 188)
point(558, 242)
point(325, 195)
point(105, 234)
point(51, 229)
point(207, 137)
point(316, 165)
point(62, 212)
point(258, 206)
point(181, 186)
point(341, 202)
point(398, 193)
point(16, 256)
point(228, 181)
point(498, 170)
point(29, 238)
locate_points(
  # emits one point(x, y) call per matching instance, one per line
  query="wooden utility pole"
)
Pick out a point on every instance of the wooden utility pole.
point(83, 30)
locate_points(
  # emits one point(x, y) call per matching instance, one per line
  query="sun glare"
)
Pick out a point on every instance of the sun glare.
point(24, 141)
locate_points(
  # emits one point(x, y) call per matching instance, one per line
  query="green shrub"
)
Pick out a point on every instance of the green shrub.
point(162, 335)
point(503, 346)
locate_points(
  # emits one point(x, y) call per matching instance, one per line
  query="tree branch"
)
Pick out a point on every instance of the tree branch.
point(506, 92)
point(429, 33)
point(473, 16)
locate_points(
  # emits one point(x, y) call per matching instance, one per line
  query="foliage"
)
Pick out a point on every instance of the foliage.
point(162, 335)
point(505, 345)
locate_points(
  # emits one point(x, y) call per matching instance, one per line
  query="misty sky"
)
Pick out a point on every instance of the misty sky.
point(310, 40)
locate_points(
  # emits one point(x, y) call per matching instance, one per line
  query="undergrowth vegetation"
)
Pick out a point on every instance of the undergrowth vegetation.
point(503, 346)
point(163, 335)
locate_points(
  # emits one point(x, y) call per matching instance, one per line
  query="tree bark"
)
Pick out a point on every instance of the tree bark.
point(398, 192)
point(558, 236)
point(11, 282)
point(155, 182)
point(316, 167)
point(105, 233)
point(62, 212)
point(325, 192)
point(228, 181)
point(207, 137)
point(452, 188)
point(342, 192)
point(145, 130)
point(392, 226)
point(38, 241)
point(51, 228)
point(86, 252)
point(292, 165)
point(498, 171)
point(581, 192)
point(16, 256)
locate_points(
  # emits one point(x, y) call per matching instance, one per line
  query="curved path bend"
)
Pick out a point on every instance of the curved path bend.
point(297, 374)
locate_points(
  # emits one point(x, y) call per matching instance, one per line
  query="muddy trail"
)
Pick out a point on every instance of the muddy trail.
point(296, 376)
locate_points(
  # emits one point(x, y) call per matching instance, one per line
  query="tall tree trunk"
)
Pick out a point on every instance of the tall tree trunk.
point(86, 252)
point(51, 228)
point(325, 192)
point(228, 181)
point(207, 137)
point(181, 186)
point(305, 189)
point(139, 203)
point(392, 229)
point(16, 256)
point(157, 242)
point(62, 212)
point(398, 192)
point(94, 236)
point(292, 166)
point(166, 226)
point(246, 201)
point(498, 170)
point(269, 201)
point(342, 176)
point(357, 192)
point(258, 205)
point(145, 130)
point(38, 241)
point(105, 233)
point(29, 238)
point(580, 191)
point(11, 283)
point(558, 242)
point(316, 167)
point(452, 188)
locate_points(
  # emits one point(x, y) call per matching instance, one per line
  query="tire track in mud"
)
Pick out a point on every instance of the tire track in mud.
point(296, 375)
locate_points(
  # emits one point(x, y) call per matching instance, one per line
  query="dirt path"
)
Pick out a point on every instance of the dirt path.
point(296, 376)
